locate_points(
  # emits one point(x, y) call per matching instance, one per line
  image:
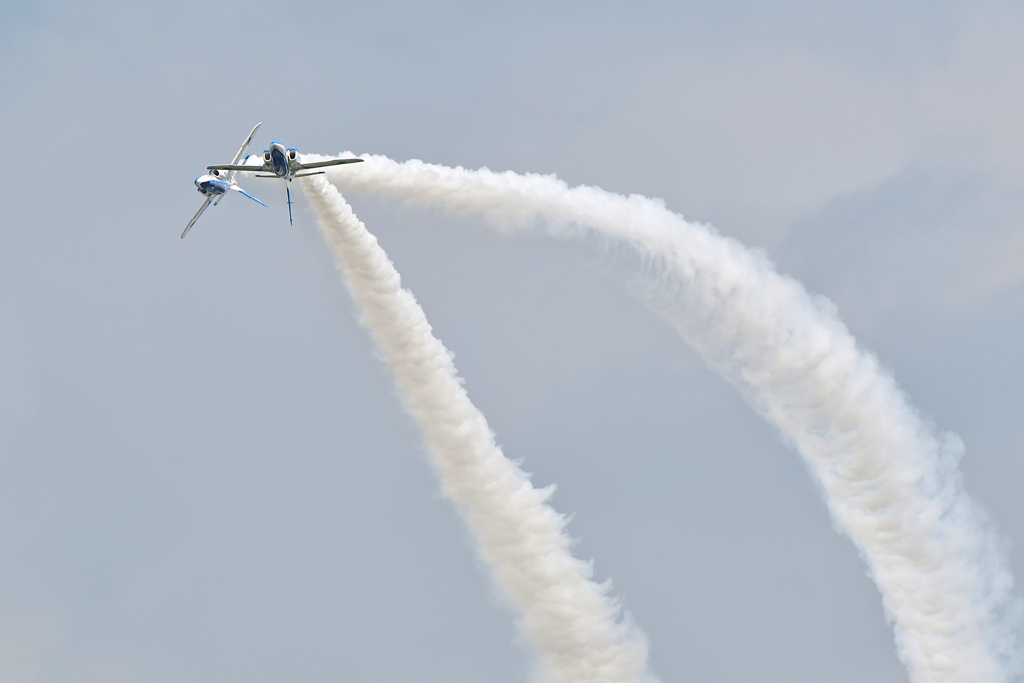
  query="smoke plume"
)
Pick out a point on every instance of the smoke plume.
point(891, 483)
point(568, 619)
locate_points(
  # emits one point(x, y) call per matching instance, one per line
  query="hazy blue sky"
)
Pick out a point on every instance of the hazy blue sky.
point(205, 474)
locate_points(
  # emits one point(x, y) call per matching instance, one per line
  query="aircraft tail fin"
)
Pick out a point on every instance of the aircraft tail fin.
point(289, 191)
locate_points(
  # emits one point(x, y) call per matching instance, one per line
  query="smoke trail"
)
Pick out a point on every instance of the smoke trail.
point(891, 484)
point(569, 619)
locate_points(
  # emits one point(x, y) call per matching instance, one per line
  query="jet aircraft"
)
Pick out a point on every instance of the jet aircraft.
point(281, 162)
point(215, 184)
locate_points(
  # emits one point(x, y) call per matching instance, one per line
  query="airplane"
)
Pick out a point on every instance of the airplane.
point(215, 185)
point(283, 163)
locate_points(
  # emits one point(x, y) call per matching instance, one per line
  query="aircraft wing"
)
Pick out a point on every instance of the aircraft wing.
point(234, 167)
point(238, 189)
point(241, 150)
point(332, 162)
point(196, 217)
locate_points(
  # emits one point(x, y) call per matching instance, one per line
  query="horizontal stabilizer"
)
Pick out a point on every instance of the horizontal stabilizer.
point(303, 175)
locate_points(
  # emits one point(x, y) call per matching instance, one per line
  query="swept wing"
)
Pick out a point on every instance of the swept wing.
point(265, 168)
point(236, 168)
point(332, 162)
point(237, 188)
point(199, 213)
point(241, 150)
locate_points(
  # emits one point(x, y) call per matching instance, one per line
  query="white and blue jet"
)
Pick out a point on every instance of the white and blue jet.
point(216, 184)
point(281, 162)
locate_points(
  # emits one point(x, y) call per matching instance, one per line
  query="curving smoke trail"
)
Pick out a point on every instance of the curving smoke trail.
point(890, 482)
point(568, 619)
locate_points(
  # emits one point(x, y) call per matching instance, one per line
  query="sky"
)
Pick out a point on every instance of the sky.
point(205, 471)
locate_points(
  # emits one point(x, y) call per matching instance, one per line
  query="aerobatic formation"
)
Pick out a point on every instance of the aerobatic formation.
point(891, 483)
point(277, 161)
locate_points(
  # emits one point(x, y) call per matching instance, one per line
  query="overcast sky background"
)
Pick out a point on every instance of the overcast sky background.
point(205, 474)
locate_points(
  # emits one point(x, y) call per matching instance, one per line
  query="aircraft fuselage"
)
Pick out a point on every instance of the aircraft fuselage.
point(279, 160)
point(211, 186)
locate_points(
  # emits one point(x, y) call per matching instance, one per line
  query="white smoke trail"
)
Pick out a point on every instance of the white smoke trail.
point(568, 619)
point(891, 484)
